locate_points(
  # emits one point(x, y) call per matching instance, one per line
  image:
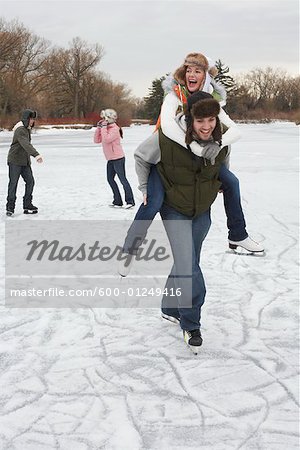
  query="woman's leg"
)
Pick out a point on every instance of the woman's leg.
point(111, 173)
point(232, 202)
point(119, 166)
point(145, 214)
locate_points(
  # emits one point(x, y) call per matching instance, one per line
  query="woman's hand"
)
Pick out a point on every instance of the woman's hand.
point(102, 123)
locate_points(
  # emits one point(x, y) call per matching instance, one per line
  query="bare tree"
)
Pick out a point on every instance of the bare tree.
point(20, 66)
point(67, 69)
point(265, 84)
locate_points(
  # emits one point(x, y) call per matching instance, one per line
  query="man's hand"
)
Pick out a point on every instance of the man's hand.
point(39, 159)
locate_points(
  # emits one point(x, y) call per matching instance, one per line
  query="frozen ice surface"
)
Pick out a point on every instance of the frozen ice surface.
point(122, 379)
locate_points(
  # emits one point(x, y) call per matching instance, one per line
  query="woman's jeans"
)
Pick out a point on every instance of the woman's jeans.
point(155, 196)
point(232, 203)
point(145, 214)
point(117, 167)
point(186, 238)
point(15, 172)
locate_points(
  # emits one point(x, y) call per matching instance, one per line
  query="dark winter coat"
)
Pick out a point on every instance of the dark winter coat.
point(21, 148)
point(191, 183)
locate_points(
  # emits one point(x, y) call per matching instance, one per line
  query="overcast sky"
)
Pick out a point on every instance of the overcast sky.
point(144, 40)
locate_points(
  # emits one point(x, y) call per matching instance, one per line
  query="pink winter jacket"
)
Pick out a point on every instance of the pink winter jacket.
point(110, 139)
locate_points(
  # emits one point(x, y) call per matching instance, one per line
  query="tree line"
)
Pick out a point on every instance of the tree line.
point(67, 83)
point(58, 82)
point(260, 94)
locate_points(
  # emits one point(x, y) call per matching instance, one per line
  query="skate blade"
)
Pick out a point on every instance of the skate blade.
point(26, 211)
point(195, 349)
point(170, 319)
point(244, 252)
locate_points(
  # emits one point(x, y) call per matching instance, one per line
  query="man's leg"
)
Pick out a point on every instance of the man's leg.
point(186, 239)
point(111, 173)
point(14, 173)
point(27, 176)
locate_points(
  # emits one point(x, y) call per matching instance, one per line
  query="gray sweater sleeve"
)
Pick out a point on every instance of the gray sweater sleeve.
point(146, 154)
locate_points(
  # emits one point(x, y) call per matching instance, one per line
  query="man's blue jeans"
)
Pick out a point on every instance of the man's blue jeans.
point(232, 203)
point(186, 243)
point(117, 167)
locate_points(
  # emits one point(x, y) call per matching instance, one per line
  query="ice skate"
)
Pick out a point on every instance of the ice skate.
point(31, 209)
point(112, 205)
point(125, 264)
point(129, 206)
point(170, 318)
point(193, 340)
point(246, 247)
point(9, 213)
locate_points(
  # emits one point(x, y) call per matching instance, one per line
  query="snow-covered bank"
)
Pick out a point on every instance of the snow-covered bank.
point(122, 379)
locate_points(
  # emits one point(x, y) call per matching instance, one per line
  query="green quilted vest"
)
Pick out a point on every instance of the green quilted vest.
point(191, 183)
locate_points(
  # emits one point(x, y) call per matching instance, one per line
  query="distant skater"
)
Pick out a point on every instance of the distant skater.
point(19, 163)
point(109, 134)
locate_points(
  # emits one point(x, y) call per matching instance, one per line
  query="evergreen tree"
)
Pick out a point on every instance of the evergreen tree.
point(223, 77)
point(154, 100)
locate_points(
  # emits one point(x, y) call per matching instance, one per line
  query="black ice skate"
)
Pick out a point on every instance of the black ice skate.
point(9, 212)
point(30, 209)
point(193, 340)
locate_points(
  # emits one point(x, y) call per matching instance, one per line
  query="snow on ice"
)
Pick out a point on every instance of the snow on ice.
point(120, 378)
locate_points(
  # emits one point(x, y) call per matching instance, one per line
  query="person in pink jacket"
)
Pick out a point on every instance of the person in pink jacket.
point(109, 134)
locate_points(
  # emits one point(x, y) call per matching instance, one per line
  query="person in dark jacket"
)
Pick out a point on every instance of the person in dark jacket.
point(19, 163)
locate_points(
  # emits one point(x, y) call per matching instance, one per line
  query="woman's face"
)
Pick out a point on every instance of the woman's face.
point(204, 127)
point(194, 77)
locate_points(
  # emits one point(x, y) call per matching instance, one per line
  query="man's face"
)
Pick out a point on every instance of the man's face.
point(31, 121)
point(194, 77)
point(204, 127)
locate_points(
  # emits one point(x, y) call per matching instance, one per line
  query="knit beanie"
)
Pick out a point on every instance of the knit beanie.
point(201, 105)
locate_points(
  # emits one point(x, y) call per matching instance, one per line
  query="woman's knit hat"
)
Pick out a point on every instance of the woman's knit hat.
point(192, 59)
point(201, 105)
point(109, 114)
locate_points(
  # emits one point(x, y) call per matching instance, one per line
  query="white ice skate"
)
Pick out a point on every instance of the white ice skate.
point(111, 205)
point(125, 264)
point(129, 206)
point(246, 247)
point(170, 318)
point(193, 340)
